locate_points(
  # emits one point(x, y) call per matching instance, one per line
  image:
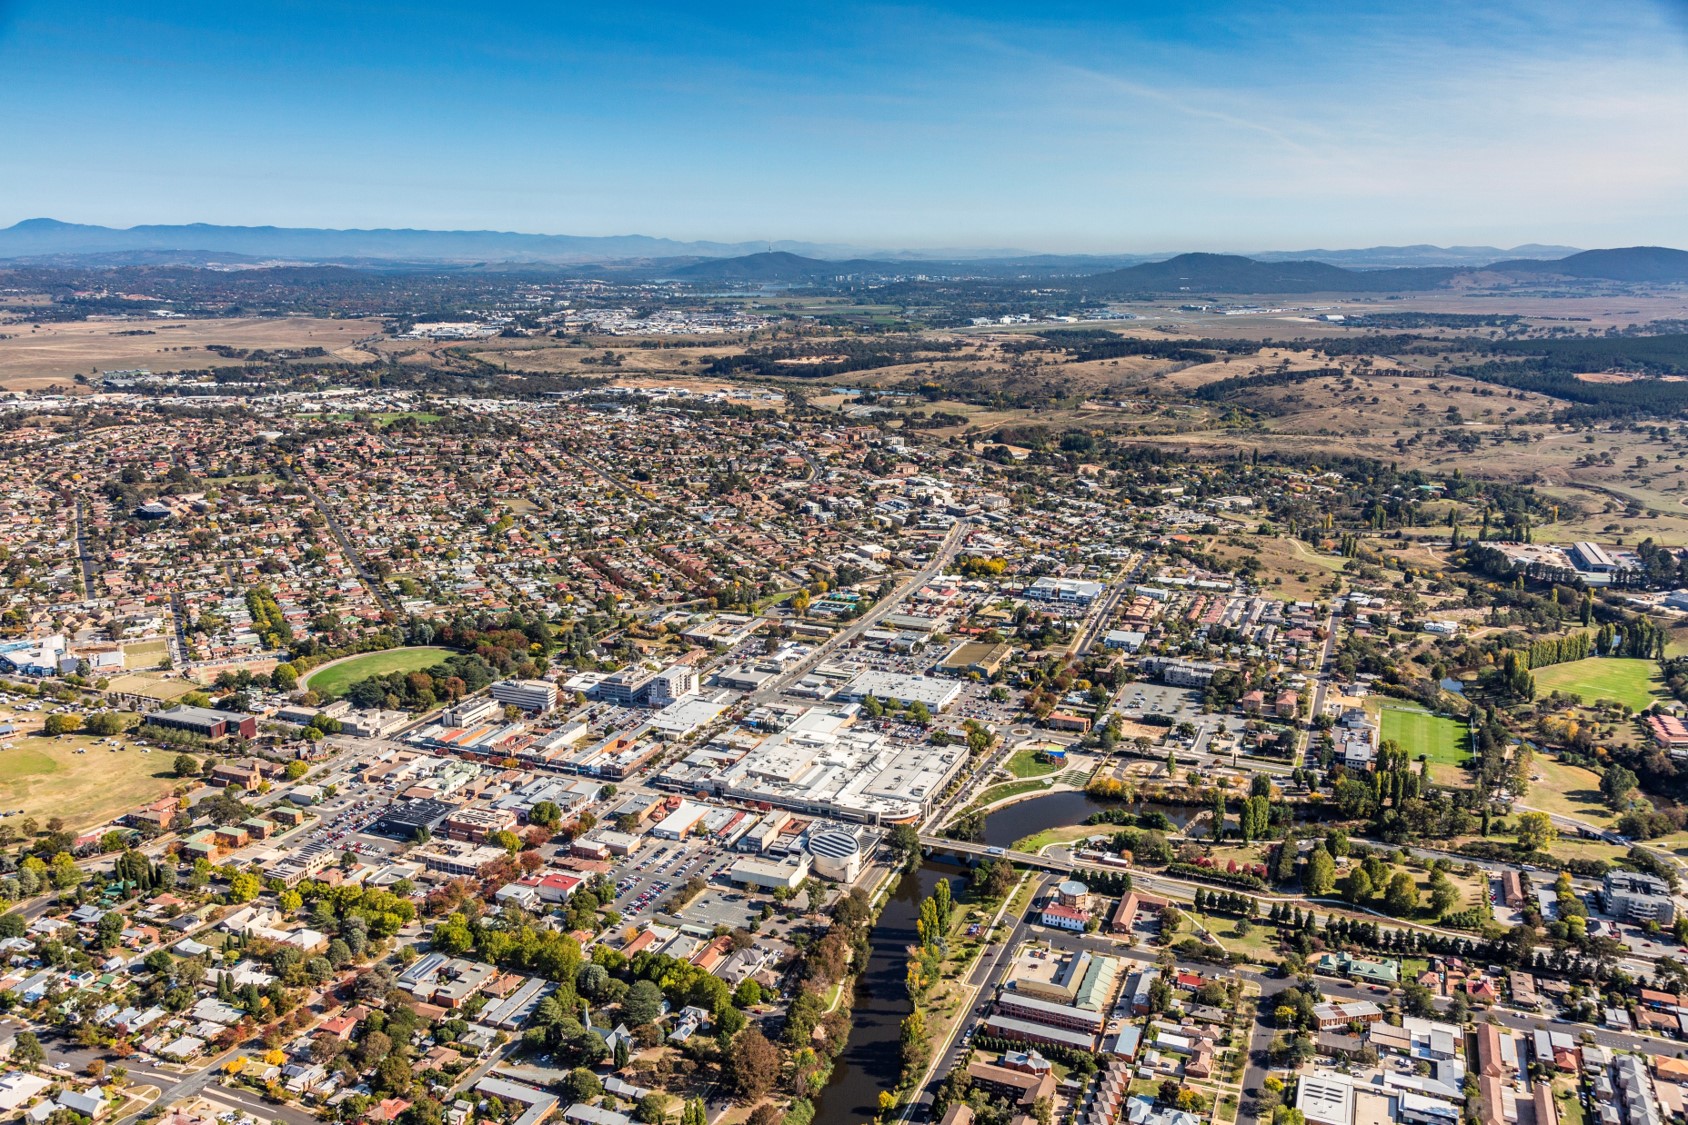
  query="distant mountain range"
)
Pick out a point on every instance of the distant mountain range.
point(1229, 273)
point(49, 238)
point(1372, 270)
point(1381, 257)
point(781, 266)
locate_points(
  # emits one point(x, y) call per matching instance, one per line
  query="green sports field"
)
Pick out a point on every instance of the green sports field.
point(1435, 737)
point(1632, 682)
point(46, 777)
point(332, 679)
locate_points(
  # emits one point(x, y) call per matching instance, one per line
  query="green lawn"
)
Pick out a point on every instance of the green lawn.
point(1632, 682)
point(387, 418)
point(46, 777)
point(1037, 841)
point(1007, 789)
point(1024, 763)
point(1420, 733)
point(145, 654)
point(332, 679)
point(1259, 945)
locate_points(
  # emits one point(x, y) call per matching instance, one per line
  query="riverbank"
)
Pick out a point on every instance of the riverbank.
point(871, 1060)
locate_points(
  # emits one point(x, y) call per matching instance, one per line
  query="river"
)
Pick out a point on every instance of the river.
point(871, 1060)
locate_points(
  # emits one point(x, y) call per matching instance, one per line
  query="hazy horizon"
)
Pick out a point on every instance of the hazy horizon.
point(1139, 130)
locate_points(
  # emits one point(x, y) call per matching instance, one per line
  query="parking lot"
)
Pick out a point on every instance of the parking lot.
point(647, 879)
point(1179, 704)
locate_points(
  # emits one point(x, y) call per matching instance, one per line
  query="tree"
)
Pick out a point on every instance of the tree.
point(1444, 896)
point(1536, 832)
point(27, 1050)
point(905, 842)
point(752, 1065)
point(582, 1084)
point(916, 1043)
point(64, 873)
point(186, 765)
point(994, 879)
point(103, 723)
point(1417, 1000)
point(1283, 859)
point(643, 1003)
point(1320, 876)
point(1354, 798)
point(652, 1109)
point(1357, 887)
point(545, 813)
point(1401, 898)
point(244, 887)
point(1616, 784)
point(59, 724)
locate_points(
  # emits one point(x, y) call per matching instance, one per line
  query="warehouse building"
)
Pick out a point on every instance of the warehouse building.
point(206, 723)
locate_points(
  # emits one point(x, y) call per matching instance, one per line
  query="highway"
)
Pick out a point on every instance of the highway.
point(771, 690)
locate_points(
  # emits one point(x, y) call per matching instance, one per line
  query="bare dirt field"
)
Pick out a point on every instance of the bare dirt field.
point(33, 358)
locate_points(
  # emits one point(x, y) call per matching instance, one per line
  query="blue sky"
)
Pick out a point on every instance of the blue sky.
point(1054, 126)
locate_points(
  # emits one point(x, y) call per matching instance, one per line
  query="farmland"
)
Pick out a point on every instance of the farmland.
point(49, 354)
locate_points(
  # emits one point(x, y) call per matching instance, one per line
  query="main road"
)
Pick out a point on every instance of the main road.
point(957, 535)
point(377, 588)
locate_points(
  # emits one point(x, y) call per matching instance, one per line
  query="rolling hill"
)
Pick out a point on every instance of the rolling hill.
point(779, 265)
point(1230, 273)
point(1642, 264)
point(1381, 269)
